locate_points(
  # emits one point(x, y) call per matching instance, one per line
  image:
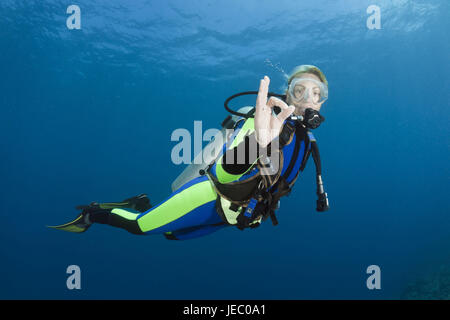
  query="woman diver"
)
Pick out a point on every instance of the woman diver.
point(226, 193)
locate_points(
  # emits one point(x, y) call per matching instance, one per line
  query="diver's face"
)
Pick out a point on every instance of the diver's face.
point(311, 98)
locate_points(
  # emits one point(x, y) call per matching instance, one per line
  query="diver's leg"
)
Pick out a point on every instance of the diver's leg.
point(190, 206)
point(195, 232)
point(116, 213)
point(117, 217)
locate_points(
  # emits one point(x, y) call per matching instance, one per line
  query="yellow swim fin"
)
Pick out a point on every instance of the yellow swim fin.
point(78, 225)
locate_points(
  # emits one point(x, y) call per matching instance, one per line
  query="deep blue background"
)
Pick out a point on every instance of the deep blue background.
point(87, 115)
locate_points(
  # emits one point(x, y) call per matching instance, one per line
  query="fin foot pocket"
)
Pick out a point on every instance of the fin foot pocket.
point(139, 203)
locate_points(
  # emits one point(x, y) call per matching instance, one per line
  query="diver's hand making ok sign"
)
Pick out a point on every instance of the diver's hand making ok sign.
point(267, 125)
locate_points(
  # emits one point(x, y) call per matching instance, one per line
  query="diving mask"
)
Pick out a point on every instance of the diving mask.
point(301, 89)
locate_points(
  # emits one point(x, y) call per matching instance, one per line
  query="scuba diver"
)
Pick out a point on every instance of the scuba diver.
point(273, 142)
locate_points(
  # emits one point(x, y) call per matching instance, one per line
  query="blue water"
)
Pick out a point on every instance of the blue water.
point(86, 115)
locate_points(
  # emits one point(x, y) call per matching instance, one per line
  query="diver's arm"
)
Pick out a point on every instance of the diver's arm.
point(248, 152)
point(265, 128)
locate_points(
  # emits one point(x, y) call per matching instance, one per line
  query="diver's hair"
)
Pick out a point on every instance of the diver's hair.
point(307, 68)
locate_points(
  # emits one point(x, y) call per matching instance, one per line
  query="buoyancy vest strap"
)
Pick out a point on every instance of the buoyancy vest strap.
point(291, 162)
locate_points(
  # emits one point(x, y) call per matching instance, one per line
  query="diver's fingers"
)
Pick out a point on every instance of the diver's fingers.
point(275, 102)
point(285, 113)
point(261, 99)
point(263, 114)
point(286, 110)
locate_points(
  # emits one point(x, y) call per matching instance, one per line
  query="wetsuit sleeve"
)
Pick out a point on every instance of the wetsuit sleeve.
point(242, 157)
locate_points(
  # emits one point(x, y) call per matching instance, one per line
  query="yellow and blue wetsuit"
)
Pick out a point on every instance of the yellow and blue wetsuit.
point(192, 210)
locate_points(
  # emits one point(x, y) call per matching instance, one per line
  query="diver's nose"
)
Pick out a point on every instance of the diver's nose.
point(308, 97)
